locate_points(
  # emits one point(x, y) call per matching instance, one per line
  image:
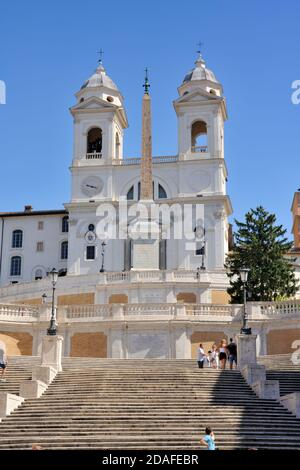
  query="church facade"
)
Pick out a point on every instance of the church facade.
point(103, 180)
point(140, 247)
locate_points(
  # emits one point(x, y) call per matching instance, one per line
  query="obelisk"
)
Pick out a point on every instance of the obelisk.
point(146, 160)
point(145, 230)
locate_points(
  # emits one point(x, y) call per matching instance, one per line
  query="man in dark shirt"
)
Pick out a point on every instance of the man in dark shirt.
point(232, 349)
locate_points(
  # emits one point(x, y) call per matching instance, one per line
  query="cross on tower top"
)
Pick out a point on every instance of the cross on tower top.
point(101, 52)
point(200, 44)
point(146, 83)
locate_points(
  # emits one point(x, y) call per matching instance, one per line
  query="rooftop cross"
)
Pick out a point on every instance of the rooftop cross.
point(200, 44)
point(146, 83)
point(101, 52)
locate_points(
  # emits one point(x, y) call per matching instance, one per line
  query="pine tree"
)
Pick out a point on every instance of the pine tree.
point(260, 245)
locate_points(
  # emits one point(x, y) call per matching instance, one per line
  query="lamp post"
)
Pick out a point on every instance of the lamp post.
point(103, 245)
point(52, 328)
point(244, 278)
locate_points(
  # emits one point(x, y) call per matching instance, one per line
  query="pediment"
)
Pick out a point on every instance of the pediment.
point(93, 103)
point(196, 96)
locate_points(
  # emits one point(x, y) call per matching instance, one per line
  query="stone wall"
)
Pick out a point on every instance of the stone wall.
point(76, 299)
point(220, 297)
point(207, 338)
point(280, 341)
point(118, 299)
point(187, 297)
point(37, 301)
point(17, 344)
point(89, 345)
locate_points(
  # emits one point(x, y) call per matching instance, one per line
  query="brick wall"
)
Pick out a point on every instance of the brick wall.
point(76, 299)
point(89, 345)
point(280, 341)
point(220, 297)
point(207, 338)
point(17, 344)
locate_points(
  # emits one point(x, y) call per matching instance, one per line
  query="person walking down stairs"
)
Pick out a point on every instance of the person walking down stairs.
point(232, 349)
point(209, 439)
point(213, 357)
point(3, 362)
point(201, 356)
point(223, 353)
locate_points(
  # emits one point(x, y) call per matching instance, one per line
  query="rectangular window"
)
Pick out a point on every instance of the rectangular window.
point(64, 250)
point(15, 266)
point(90, 252)
point(40, 225)
point(17, 239)
point(40, 246)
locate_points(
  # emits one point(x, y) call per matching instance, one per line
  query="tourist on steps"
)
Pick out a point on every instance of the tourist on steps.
point(223, 354)
point(3, 363)
point(208, 440)
point(232, 350)
point(201, 356)
point(213, 357)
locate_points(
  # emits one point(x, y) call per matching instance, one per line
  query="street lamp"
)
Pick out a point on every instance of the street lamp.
point(244, 278)
point(103, 245)
point(52, 328)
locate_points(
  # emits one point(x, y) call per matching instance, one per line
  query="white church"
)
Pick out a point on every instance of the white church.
point(119, 294)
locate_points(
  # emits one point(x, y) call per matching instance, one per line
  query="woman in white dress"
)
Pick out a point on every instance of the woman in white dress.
point(223, 353)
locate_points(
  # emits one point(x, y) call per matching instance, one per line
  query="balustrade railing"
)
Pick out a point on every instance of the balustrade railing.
point(286, 307)
point(255, 310)
point(93, 156)
point(137, 161)
point(149, 309)
point(199, 149)
point(88, 311)
point(116, 277)
point(19, 311)
point(212, 309)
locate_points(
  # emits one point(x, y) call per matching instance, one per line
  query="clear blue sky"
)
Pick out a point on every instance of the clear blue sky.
point(48, 48)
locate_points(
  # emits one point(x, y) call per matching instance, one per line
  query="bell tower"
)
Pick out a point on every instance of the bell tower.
point(201, 112)
point(99, 120)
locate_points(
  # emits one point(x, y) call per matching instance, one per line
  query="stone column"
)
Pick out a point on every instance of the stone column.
point(146, 161)
point(52, 352)
point(246, 350)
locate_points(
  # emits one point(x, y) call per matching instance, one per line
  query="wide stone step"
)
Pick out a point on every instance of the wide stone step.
point(137, 404)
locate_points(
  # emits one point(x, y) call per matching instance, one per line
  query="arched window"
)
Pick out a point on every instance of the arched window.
point(15, 266)
point(199, 137)
point(134, 192)
point(38, 274)
point(94, 140)
point(64, 250)
point(17, 239)
point(117, 145)
point(162, 194)
point(65, 224)
point(130, 194)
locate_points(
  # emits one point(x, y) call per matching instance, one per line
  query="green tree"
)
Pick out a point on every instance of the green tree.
point(260, 245)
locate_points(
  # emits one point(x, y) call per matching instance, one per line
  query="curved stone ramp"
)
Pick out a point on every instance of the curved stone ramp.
point(147, 404)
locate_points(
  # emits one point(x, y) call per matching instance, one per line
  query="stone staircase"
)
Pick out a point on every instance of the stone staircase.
point(280, 367)
point(147, 404)
point(19, 368)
